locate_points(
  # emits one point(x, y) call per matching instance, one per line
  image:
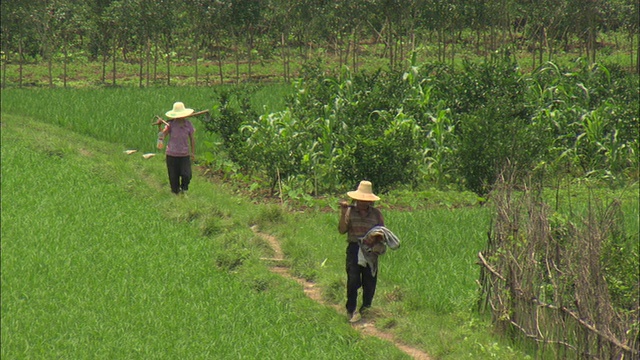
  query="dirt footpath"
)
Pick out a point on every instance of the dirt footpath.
point(365, 326)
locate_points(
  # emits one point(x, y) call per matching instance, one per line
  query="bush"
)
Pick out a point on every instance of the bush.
point(436, 125)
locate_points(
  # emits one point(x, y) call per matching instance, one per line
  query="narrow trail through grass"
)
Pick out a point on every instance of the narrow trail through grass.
point(366, 325)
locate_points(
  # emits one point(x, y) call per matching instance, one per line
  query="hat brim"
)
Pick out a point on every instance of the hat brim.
point(179, 114)
point(356, 195)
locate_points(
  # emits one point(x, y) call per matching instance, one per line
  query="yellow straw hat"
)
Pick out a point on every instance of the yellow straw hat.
point(178, 111)
point(364, 192)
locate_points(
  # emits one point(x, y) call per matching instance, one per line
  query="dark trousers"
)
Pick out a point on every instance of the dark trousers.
point(179, 169)
point(358, 276)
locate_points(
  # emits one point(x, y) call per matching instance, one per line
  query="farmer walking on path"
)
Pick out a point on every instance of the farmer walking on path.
point(181, 149)
point(367, 238)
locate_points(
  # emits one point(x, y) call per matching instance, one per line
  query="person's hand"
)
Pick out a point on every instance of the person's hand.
point(379, 248)
point(372, 240)
point(193, 157)
point(343, 205)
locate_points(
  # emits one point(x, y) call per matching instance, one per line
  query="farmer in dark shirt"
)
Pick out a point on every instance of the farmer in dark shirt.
point(356, 220)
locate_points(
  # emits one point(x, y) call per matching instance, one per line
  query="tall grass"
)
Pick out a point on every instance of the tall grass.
point(437, 265)
point(97, 263)
point(426, 289)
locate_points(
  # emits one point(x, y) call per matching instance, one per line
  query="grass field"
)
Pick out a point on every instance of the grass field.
point(117, 115)
point(99, 260)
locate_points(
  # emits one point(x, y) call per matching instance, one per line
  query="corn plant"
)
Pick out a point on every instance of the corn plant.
point(440, 146)
point(269, 144)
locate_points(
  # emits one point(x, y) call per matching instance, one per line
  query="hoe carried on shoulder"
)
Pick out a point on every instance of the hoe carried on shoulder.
point(159, 121)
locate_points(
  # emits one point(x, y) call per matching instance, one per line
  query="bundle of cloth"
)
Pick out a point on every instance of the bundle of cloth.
point(373, 244)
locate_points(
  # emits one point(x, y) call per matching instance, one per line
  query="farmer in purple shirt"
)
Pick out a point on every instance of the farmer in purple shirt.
point(181, 148)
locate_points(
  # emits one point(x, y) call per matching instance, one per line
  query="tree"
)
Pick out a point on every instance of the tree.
point(585, 17)
point(15, 33)
point(246, 15)
point(216, 30)
point(71, 18)
point(43, 17)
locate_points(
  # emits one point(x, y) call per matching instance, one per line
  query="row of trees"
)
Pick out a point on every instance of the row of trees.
point(149, 31)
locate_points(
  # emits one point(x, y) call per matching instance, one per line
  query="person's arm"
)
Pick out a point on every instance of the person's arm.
point(380, 218)
point(343, 225)
point(166, 129)
point(192, 139)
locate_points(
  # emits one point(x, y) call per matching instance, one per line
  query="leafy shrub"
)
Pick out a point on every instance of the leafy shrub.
point(433, 124)
point(233, 110)
point(386, 159)
point(496, 128)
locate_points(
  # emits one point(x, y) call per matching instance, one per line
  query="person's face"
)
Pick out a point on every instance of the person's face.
point(363, 205)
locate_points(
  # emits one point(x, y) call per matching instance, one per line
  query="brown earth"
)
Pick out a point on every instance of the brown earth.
point(366, 325)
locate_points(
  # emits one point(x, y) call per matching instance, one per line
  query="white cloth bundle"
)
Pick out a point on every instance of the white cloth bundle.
point(373, 244)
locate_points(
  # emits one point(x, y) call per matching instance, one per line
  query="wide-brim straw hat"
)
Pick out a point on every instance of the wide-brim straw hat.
point(364, 192)
point(178, 111)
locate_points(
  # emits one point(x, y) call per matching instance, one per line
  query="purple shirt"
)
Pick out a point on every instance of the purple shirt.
point(179, 133)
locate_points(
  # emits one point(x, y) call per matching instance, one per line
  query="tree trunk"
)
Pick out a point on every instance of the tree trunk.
point(453, 50)
point(195, 63)
point(148, 55)
point(168, 63)
point(115, 53)
point(637, 53)
point(337, 50)
point(155, 63)
point(104, 67)
point(141, 70)
point(594, 42)
point(443, 45)
point(249, 53)
point(285, 58)
point(218, 46)
point(20, 62)
point(50, 65)
point(65, 61)
point(4, 69)
point(389, 42)
point(237, 52)
point(541, 46)
point(354, 37)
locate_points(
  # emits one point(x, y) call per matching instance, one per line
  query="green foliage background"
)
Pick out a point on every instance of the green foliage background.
point(436, 125)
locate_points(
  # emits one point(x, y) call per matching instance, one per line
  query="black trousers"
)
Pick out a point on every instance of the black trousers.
point(358, 276)
point(179, 169)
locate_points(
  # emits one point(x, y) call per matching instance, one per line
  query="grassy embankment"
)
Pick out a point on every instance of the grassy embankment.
point(99, 259)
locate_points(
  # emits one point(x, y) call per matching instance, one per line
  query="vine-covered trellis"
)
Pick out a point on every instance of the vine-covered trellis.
point(542, 278)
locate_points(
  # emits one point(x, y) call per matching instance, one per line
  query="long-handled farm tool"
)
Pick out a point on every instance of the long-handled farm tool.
point(160, 121)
